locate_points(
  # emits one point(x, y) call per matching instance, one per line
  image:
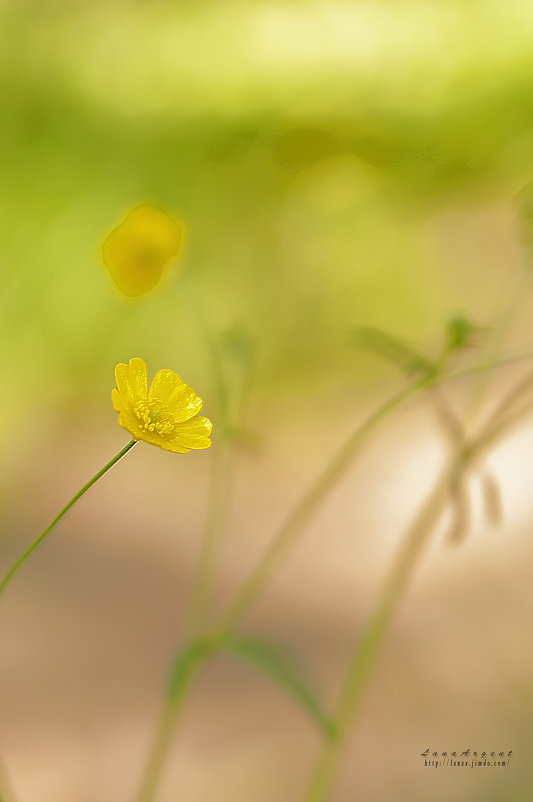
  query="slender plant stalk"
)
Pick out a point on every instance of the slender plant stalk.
point(219, 478)
point(502, 320)
point(229, 421)
point(509, 401)
point(500, 425)
point(368, 647)
point(202, 585)
point(212, 538)
point(303, 511)
point(26, 553)
point(481, 367)
point(160, 746)
point(186, 291)
point(447, 418)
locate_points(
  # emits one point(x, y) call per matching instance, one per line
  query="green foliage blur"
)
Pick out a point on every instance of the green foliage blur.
point(316, 152)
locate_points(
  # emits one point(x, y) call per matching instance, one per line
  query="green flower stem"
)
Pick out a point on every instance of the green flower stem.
point(219, 477)
point(496, 428)
point(368, 647)
point(160, 747)
point(212, 537)
point(185, 290)
point(502, 320)
point(26, 553)
point(482, 367)
point(201, 590)
point(301, 514)
point(511, 399)
point(196, 654)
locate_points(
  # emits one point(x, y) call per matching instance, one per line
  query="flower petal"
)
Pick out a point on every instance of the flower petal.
point(170, 445)
point(131, 380)
point(178, 397)
point(129, 422)
point(138, 249)
point(115, 399)
point(193, 433)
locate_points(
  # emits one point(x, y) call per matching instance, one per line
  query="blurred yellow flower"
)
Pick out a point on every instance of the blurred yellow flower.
point(140, 247)
point(163, 414)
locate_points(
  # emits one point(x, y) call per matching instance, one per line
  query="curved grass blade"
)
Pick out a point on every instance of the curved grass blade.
point(392, 349)
point(273, 661)
point(184, 667)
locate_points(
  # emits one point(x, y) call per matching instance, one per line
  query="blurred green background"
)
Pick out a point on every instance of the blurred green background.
point(312, 149)
point(336, 164)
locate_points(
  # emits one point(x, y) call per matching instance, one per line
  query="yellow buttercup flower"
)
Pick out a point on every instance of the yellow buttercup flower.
point(137, 251)
point(164, 414)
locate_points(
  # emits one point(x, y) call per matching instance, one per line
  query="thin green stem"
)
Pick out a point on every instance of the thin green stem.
point(212, 537)
point(211, 347)
point(158, 753)
point(218, 488)
point(373, 637)
point(481, 367)
point(368, 647)
point(493, 432)
point(447, 418)
point(201, 590)
point(303, 511)
point(26, 553)
point(508, 402)
point(503, 318)
point(189, 661)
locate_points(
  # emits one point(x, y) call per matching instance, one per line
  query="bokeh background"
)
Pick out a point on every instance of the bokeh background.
point(336, 165)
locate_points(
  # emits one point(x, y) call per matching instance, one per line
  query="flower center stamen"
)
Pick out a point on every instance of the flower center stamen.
point(153, 417)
